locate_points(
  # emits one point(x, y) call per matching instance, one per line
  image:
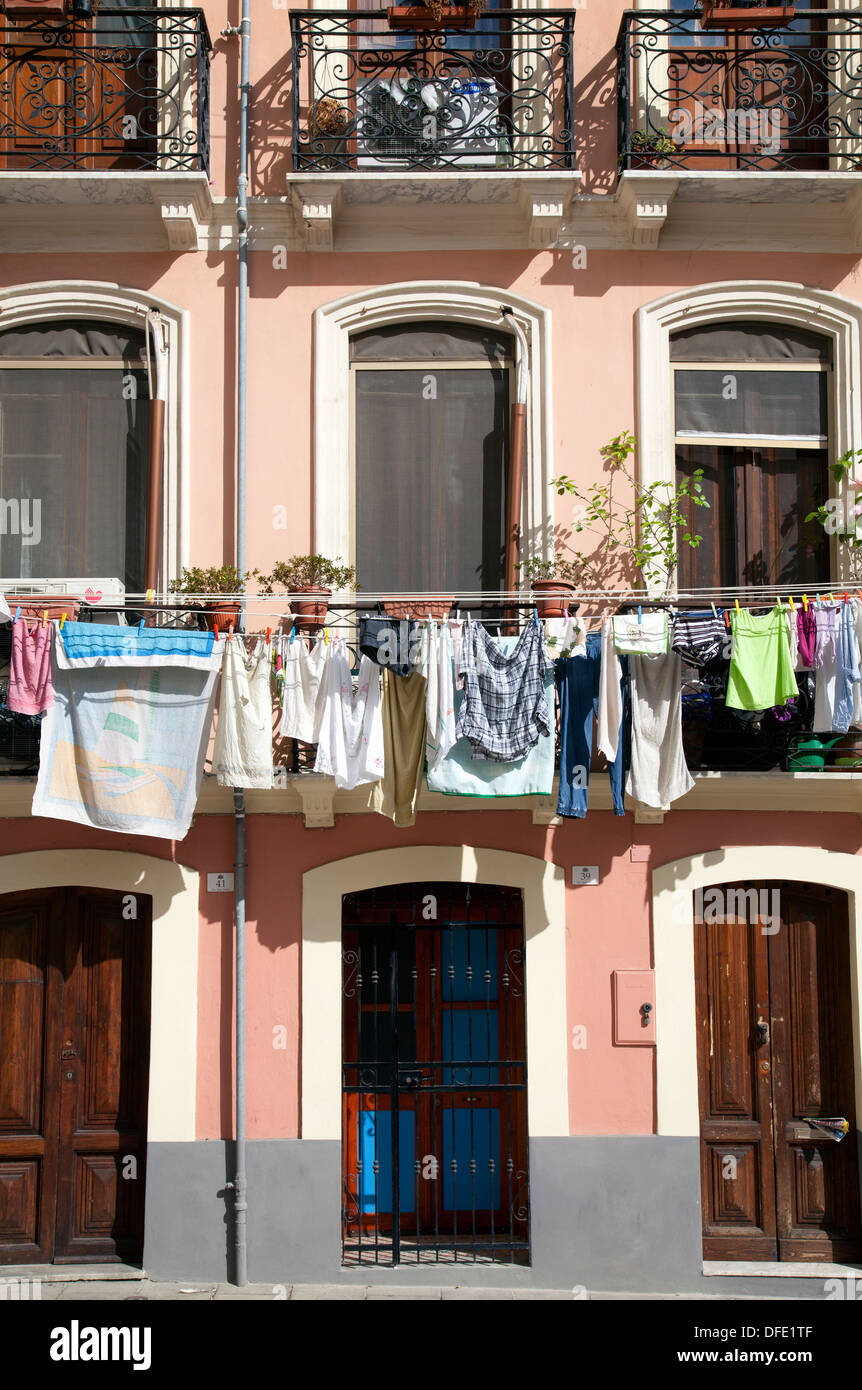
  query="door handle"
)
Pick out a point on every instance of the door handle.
point(68, 1053)
point(762, 1033)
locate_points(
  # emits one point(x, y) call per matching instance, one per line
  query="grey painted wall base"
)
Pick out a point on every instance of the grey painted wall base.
point(617, 1214)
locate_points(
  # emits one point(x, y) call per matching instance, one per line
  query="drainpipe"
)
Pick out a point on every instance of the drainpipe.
point(240, 1184)
point(517, 433)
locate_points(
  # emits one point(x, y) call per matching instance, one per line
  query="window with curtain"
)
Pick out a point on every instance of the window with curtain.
point(751, 403)
point(74, 417)
point(431, 429)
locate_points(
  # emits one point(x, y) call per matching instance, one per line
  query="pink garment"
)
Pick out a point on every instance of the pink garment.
point(30, 687)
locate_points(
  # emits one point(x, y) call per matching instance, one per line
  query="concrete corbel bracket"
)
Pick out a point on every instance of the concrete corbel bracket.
point(317, 795)
point(649, 815)
point(546, 206)
point(645, 206)
point(185, 210)
point(854, 217)
point(316, 205)
point(545, 812)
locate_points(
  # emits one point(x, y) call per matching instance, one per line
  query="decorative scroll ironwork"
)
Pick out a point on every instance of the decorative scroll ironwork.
point(128, 90)
point(786, 98)
point(496, 97)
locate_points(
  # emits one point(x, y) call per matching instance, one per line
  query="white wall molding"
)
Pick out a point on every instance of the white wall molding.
point(44, 301)
point(544, 891)
point(458, 302)
point(673, 956)
point(173, 1008)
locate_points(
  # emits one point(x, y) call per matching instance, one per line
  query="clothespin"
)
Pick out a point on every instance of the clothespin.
point(268, 631)
point(215, 630)
point(230, 632)
point(640, 614)
point(326, 636)
point(831, 598)
point(63, 619)
point(536, 615)
point(149, 595)
point(790, 601)
point(805, 602)
point(44, 616)
point(819, 604)
point(17, 612)
point(566, 612)
point(292, 633)
point(141, 628)
point(714, 613)
point(736, 603)
point(846, 599)
point(726, 618)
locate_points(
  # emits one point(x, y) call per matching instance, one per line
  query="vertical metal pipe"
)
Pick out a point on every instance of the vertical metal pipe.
point(240, 1179)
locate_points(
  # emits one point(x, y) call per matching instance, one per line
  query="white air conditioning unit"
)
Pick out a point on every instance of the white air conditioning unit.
point(404, 120)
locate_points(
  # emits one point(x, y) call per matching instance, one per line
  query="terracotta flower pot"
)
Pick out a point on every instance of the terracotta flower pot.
point(552, 596)
point(418, 17)
point(437, 608)
point(717, 15)
point(34, 605)
point(221, 615)
point(312, 613)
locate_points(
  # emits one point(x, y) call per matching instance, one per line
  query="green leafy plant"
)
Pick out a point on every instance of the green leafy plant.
point(645, 530)
point(221, 579)
point(842, 516)
point(308, 572)
point(536, 570)
point(658, 141)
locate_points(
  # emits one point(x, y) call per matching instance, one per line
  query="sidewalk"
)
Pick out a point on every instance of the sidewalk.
point(145, 1290)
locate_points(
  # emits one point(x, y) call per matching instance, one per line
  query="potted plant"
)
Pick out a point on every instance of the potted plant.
point(222, 579)
point(738, 14)
point(651, 148)
point(315, 575)
point(435, 14)
point(644, 531)
point(551, 583)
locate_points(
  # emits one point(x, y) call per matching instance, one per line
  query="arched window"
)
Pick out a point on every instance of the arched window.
point(74, 430)
point(430, 428)
point(751, 409)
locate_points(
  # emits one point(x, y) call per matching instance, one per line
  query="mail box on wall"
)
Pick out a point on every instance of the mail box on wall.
point(634, 1008)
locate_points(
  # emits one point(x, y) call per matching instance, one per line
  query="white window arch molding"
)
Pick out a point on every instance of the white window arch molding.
point(416, 301)
point(836, 317)
point(46, 301)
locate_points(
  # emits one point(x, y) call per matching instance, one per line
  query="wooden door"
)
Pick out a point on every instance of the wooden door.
point(86, 102)
point(726, 83)
point(774, 1053)
point(74, 1062)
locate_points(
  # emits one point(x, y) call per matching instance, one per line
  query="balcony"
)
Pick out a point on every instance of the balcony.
point(104, 123)
point(442, 122)
point(713, 122)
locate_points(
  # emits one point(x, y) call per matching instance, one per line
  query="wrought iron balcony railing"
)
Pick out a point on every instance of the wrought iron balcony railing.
point(128, 90)
point(751, 98)
point(497, 96)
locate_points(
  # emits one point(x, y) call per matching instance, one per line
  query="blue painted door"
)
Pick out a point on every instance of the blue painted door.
point(435, 1153)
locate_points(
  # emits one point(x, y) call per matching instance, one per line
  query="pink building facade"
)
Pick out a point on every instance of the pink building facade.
point(609, 1146)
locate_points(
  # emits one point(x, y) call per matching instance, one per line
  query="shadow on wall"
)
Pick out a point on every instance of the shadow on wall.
point(269, 132)
point(595, 126)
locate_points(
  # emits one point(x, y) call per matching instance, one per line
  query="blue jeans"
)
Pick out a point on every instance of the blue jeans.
point(577, 679)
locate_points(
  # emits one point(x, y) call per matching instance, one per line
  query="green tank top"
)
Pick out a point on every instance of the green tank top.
point(761, 669)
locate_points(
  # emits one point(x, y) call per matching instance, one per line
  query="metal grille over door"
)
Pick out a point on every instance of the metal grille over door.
point(434, 1081)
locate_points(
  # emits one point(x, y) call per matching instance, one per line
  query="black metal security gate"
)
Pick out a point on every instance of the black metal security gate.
point(435, 1081)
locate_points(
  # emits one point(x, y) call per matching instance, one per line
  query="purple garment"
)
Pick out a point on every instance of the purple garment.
point(806, 632)
point(826, 622)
